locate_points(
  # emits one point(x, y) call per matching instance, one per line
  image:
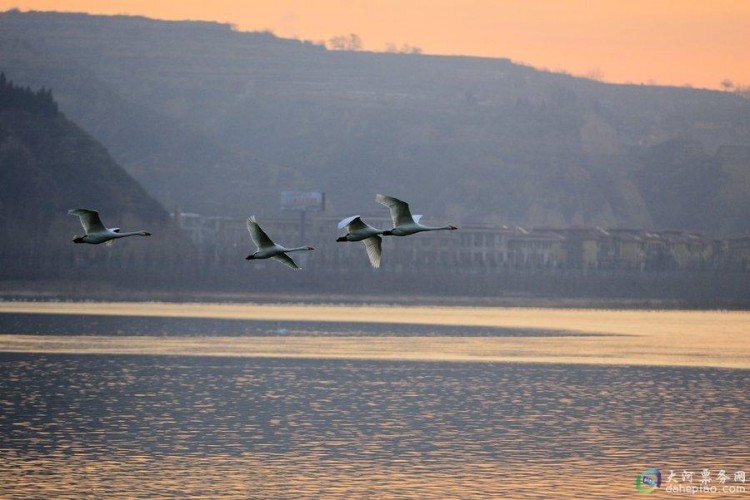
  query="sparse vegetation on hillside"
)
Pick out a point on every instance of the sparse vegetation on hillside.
point(16, 97)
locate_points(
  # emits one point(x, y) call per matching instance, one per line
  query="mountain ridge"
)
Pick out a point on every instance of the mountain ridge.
point(474, 139)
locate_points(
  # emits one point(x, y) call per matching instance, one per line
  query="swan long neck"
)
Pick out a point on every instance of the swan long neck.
point(442, 228)
point(298, 249)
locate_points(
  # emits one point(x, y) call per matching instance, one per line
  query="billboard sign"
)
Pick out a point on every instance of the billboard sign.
point(303, 201)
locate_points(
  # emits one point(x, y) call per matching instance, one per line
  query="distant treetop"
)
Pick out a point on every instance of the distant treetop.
point(13, 96)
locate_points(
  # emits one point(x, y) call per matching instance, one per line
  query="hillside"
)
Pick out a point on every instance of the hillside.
point(219, 121)
point(48, 165)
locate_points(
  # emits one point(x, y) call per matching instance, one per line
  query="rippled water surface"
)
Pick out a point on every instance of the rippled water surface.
point(116, 425)
point(152, 406)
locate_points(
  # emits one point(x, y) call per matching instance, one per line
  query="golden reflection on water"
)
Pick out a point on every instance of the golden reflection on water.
point(351, 416)
point(662, 338)
point(619, 350)
point(262, 476)
point(220, 427)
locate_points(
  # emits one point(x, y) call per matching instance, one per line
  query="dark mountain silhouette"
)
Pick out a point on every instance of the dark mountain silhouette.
point(48, 165)
point(220, 121)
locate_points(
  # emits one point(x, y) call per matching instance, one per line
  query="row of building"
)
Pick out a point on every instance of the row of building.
point(478, 248)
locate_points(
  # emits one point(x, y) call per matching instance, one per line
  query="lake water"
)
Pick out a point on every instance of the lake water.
point(117, 425)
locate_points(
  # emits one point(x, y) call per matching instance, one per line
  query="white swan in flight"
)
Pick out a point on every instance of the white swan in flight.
point(404, 223)
point(357, 230)
point(267, 249)
point(95, 231)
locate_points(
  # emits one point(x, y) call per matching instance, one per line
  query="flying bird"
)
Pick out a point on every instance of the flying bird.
point(404, 223)
point(267, 249)
point(357, 230)
point(95, 231)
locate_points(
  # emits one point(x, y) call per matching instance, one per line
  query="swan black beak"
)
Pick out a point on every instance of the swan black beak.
point(250, 257)
point(78, 239)
point(342, 238)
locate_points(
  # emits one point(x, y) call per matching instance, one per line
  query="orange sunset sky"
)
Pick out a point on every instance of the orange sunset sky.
point(667, 42)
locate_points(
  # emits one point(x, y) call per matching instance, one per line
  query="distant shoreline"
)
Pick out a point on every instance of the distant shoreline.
point(71, 293)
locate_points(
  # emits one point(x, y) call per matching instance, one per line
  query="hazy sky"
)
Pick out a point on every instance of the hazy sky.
point(669, 42)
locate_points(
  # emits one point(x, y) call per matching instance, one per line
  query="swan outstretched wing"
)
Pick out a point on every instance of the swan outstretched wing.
point(286, 260)
point(373, 246)
point(89, 220)
point(353, 223)
point(260, 238)
point(400, 212)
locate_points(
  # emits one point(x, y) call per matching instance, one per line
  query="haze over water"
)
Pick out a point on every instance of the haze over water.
point(220, 424)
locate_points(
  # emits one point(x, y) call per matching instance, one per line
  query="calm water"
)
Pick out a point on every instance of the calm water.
point(116, 425)
point(101, 325)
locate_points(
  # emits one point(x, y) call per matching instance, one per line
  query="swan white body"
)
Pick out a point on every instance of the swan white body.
point(96, 232)
point(267, 249)
point(404, 223)
point(358, 230)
